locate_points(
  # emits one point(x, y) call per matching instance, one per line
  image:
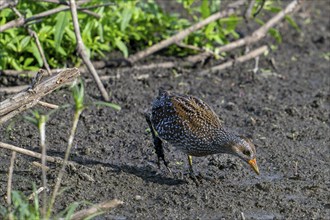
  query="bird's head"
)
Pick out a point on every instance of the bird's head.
point(245, 149)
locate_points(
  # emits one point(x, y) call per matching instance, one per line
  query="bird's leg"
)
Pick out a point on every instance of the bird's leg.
point(157, 144)
point(191, 170)
point(192, 173)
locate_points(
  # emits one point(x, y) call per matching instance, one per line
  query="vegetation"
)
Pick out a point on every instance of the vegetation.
point(127, 26)
point(21, 207)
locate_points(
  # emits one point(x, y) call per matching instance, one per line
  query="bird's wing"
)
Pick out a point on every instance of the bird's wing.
point(197, 113)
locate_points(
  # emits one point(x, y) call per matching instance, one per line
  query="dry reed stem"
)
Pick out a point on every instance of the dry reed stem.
point(10, 177)
point(82, 52)
point(101, 207)
point(254, 53)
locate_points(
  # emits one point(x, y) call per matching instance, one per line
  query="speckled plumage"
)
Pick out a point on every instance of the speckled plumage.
point(193, 127)
point(187, 123)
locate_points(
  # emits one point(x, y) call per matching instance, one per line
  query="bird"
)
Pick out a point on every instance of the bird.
point(192, 126)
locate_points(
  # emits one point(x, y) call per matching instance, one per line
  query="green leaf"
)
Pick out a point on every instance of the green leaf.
point(276, 34)
point(12, 46)
point(259, 21)
point(122, 47)
point(45, 32)
point(274, 9)
point(290, 20)
point(31, 120)
point(86, 33)
point(230, 22)
point(70, 33)
point(205, 9)
point(24, 42)
point(34, 50)
point(70, 210)
point(28, 61)
point(108, 104)
point(94, 215)
point(78, 93)
point(210, 28)
point(61, 51)
point(35, 209)
point(61, 23)
point(100, 32)
point(14, 64)
point(126, 17)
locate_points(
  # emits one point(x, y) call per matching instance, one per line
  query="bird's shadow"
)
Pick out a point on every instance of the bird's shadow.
point(147, 173)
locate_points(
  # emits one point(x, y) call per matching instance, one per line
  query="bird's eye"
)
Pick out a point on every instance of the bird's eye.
point(247, 153)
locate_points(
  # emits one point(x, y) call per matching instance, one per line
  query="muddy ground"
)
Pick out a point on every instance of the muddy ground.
point(286, 110)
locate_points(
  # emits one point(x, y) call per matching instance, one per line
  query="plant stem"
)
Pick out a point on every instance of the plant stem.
point(42, 132)
point(66, 157)
point(10, 177)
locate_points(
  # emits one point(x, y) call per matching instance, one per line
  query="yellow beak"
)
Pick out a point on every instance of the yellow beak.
point(253, 164)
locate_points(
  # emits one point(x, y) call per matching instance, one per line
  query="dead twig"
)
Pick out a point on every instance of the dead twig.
point(164, 65)
point(61, 2)
point(296, 168)
point(26, 99)
point(37, 164)
point(241, 59)
point(10, 177)
point(242, 216)
point(254, 37)
point(82, 52)
point(82, 69)
point(78, 3)
point(101, 207)
point(48, 105)
point(248, 10)
point(256, 65)
point(23, 21)
point(18, 110)
point(14, 89)
point(34, 194)
point(40, 49)
point(191, 47)
point(7, 4)
point(182, 34)
point(33, 154)
point(28, 73)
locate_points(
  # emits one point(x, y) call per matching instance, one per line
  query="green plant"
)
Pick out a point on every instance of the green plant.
point(273, 7)
point(21, 207)
point(127, 26)
point(123, 25)
point(78, 94)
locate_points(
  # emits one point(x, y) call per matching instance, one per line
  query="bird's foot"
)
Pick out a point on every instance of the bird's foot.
point(195, 178)
point(198, 178)
point(166, 163)
point(188, 176)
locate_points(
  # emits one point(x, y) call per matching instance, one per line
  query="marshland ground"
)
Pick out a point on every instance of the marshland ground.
point(285, 109)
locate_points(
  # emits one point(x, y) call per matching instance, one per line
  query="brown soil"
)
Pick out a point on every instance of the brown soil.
point(286, 111)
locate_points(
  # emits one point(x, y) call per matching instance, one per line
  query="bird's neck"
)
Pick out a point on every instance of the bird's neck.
point(225, 139)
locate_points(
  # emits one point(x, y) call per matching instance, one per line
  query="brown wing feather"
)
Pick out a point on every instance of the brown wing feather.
point(198, 115)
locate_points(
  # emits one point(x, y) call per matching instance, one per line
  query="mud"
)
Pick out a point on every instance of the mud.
point(286, 110)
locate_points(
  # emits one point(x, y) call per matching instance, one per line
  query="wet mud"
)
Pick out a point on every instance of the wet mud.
point(285, 110)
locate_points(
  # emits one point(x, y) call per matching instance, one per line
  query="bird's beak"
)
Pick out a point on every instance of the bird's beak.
point(253, 164)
